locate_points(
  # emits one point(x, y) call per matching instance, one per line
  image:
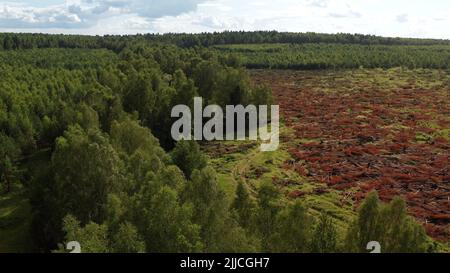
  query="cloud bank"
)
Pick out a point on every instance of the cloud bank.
point(87, 13)
point(403, 18)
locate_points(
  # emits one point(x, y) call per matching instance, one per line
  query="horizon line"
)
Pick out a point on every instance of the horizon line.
point(217, 32)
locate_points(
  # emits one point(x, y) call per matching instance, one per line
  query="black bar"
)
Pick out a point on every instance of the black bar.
point(226, 262)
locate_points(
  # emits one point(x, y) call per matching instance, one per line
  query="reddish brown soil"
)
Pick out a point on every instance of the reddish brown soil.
point(359, 134)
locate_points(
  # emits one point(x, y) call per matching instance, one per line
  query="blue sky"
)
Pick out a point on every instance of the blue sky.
point(403, 18)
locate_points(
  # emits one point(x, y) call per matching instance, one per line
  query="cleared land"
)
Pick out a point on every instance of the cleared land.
point(356, 131)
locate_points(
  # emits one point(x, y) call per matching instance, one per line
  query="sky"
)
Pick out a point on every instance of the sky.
point(393, 18)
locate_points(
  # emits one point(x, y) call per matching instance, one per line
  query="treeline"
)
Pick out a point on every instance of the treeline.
point(336, 56)
point(9, 41)
point(15, 41)
point(179, 215)
point(256, 49)
point(265, 37)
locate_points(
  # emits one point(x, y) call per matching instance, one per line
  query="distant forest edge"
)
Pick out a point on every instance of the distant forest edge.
point(269, 49)
point(27, 41)
point(339, 56)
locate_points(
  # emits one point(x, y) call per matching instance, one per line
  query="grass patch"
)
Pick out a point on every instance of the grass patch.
point(237, 162)
point(15, 221)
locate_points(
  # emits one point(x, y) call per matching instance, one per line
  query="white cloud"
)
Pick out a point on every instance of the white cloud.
point(318, 3)
point(86, 13)
point(148, 8)
point(62, 16)
point(348, 14)
point(402, 18)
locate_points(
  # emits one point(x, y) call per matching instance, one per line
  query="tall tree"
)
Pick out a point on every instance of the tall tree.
point(387, 224)
point(210, 206)
point(93, 238)
point(86, 169)
point(166, 224)
point(243, 205)
point(127, 240)
point(188, 157)
point(324, 238)
point(268, 209)
point(294, 227)
point(8, 153)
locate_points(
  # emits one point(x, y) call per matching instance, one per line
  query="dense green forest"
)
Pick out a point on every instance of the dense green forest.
point(269, 49)
point(340, 56)
point(85, 128)
point(27, 41)
point(99, 112)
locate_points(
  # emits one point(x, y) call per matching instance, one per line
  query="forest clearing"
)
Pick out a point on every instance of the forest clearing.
point(384, 130)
